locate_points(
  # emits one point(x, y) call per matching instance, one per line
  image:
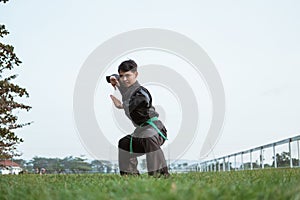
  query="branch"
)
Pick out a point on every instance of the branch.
point(4, 1)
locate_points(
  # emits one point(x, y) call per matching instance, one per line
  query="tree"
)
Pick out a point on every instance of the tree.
point(52, 165)
point(75, 165)
point(9, 94)
point(283, 160)
point(248, 165)
point(39, 162)
point(98, 166)
point(107, 165)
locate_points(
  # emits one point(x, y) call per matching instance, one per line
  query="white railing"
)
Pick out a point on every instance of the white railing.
point(284, 153)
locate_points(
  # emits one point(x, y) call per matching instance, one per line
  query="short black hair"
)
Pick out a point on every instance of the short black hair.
point(127, 65)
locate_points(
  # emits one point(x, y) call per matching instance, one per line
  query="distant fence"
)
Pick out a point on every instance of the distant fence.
point(284, 153)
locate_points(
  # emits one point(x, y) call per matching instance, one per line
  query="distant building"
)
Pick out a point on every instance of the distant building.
point(9, 167)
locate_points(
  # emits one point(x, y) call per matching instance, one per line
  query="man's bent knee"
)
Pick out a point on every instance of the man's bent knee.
point(123, 143)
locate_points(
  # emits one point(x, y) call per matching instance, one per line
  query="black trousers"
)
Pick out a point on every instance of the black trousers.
point(147, 141)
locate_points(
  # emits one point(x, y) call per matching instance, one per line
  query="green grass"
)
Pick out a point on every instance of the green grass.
point(258, 184)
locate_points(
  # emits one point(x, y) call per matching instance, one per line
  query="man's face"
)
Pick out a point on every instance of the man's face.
point(128, 78)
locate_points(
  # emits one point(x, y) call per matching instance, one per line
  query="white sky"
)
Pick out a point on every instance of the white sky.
point(255, 46)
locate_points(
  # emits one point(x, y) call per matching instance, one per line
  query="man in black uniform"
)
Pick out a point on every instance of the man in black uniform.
point(150, 133)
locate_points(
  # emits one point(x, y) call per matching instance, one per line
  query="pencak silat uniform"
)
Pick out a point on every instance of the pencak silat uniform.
point(149, 135)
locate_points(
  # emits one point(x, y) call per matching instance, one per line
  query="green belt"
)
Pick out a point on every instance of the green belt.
point(150, 122)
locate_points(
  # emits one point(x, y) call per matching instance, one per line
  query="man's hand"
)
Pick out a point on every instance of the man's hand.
point(116, 101)
point(114, 82)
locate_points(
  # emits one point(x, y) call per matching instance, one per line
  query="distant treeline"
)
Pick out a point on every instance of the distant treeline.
point(66, 165)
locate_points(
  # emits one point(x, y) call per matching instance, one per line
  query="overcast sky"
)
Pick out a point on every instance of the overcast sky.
point(254, 45)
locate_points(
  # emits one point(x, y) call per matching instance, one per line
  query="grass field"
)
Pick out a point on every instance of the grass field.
point(258, 184)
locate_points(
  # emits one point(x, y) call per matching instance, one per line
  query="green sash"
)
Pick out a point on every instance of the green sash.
point(150, 122)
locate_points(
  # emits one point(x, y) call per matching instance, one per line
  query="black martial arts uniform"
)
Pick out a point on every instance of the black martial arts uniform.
point(149, 135)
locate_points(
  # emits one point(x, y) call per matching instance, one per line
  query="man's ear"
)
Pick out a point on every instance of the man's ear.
point(136, 74)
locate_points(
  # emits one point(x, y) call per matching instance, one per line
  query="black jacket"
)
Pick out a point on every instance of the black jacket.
point(137, 102)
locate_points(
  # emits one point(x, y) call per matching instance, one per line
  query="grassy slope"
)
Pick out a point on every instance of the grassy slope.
point(259, 184)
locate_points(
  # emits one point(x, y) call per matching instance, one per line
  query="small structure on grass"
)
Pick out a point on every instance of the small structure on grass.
point(9, 167)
